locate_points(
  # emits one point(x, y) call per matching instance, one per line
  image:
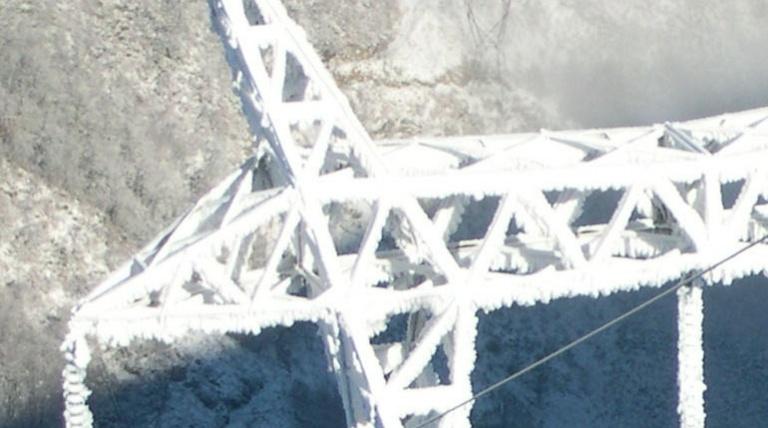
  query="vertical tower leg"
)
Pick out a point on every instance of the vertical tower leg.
point(360, 379)
point(690, 356)
point(340, 366)
point(461, 360)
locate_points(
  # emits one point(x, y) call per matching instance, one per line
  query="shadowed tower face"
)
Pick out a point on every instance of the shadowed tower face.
point(393, 248)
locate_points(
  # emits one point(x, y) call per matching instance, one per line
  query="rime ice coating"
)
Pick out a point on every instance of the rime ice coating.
point(323, 225)
point(690, 376)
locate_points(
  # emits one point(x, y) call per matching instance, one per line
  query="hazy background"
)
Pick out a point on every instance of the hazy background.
point(560, 63)
point(608, 63)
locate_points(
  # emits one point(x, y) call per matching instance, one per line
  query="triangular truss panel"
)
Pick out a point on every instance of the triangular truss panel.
point(393, 247)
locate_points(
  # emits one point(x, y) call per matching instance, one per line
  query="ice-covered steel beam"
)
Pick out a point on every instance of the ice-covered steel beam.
point(690, 372)
point(576, 176)
point(324, 225)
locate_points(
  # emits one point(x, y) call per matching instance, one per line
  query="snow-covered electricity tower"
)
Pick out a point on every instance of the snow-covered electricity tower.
point(324, 225)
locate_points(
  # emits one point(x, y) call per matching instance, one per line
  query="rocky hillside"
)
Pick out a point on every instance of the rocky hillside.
point(115, 115)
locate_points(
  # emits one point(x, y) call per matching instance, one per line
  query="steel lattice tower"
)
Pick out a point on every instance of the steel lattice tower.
point(324, 225)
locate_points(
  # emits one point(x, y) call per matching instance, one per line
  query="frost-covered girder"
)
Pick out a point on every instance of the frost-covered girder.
point(324, 225)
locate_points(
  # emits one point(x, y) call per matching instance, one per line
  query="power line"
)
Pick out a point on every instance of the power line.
point(592, 333)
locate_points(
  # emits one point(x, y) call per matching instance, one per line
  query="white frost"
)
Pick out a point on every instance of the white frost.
point(654, 236)
point(690, 376)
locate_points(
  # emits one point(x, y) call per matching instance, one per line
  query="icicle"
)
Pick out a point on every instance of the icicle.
point(690, 375)
point(76, 393)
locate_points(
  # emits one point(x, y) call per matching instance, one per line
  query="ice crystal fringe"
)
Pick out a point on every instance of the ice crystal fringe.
point(76, 393)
